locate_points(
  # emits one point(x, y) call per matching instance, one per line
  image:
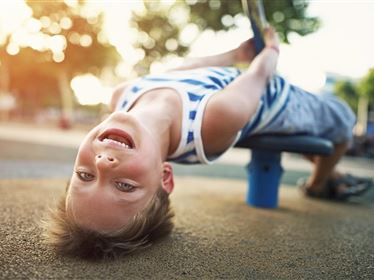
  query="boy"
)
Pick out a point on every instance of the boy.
point(117, 199)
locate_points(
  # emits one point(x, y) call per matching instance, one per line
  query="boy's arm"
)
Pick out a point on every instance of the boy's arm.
point(230, 111)
point(244, 53)
point(244, 93)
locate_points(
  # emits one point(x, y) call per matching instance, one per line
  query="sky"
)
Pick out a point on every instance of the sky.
point(343, 45)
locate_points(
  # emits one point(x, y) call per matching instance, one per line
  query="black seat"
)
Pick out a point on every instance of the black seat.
point(303, 144)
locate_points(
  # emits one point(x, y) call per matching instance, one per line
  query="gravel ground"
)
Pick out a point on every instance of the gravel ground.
point(216, 236)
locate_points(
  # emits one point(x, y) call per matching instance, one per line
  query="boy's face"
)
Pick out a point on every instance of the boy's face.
point(117, 171)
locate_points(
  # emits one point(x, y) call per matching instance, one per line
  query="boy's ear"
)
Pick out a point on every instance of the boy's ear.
point(167, 177)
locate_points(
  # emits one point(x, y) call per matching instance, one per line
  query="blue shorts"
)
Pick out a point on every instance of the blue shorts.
point(325, 116)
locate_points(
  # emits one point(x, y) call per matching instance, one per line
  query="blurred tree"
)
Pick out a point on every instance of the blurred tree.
point(366, 100)
point(161, 24)
point(360, 97)
point(285, 15)
point(348, 91)
point(366, 87)
point(31, 83)
point(66, 41)
point(158, 32)
point(79, 43)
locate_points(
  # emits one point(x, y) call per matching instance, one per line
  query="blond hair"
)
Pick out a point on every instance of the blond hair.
point(150, 224)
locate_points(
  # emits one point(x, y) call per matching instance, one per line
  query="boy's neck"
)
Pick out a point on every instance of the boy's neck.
point(160, 112)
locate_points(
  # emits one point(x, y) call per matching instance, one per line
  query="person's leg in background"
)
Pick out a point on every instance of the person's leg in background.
point(327, 182)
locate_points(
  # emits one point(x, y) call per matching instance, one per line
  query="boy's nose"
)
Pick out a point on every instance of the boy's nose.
point(106, 161)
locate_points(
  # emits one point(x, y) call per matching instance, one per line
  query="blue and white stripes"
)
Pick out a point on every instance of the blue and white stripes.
point(273, 101)
point(195, 88)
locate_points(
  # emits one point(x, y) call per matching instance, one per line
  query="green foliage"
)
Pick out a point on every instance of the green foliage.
point(347, 91)
point(168, 21)
point(285, 15)
point(351, 92)
point(156, 33)
point(366, 86)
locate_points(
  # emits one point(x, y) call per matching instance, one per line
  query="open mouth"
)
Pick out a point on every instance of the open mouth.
point(117, 137)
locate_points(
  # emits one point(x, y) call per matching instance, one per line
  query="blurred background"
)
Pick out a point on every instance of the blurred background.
point(59, 60)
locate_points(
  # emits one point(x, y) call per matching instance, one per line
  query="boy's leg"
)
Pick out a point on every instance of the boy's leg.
point(325, 181)
point(324, 169)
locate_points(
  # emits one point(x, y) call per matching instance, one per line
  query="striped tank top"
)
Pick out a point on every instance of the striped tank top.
point(195, 87)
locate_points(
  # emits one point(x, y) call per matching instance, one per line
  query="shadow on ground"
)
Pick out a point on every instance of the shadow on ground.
point(216, 236)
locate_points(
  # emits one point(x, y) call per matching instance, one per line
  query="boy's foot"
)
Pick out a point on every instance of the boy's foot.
point(339, 189)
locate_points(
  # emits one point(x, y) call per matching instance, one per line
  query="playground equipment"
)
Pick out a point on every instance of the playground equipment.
point(265, 170)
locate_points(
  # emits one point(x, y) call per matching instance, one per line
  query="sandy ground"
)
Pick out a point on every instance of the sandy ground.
point(216, 235)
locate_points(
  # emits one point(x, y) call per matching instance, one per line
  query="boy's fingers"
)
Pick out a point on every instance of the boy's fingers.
point(269, 30)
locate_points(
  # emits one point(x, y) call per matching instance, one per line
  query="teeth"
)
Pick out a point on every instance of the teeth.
point(107, 140)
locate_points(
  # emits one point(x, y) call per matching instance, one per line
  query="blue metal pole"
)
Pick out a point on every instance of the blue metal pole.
point(264, 175)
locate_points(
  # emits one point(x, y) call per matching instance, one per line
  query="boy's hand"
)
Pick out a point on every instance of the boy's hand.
point(271, 37)
point(245, 53)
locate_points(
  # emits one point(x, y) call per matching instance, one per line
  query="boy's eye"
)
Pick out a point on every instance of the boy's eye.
point(124, 187)
point(84, 176)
